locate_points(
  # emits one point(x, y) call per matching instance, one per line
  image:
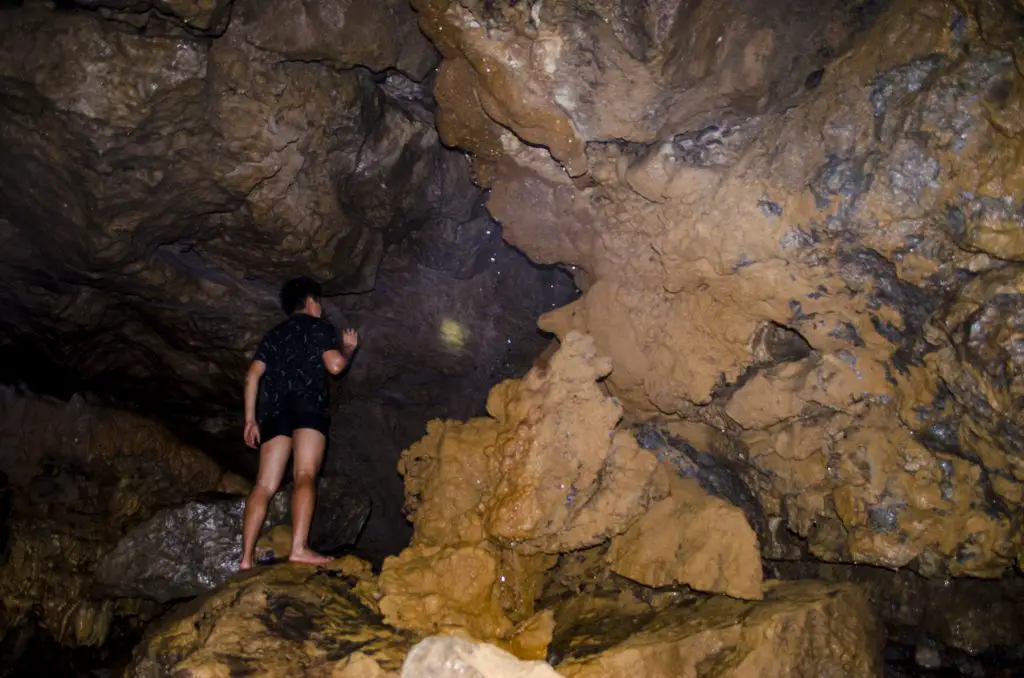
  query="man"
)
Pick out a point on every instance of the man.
point(293, 360)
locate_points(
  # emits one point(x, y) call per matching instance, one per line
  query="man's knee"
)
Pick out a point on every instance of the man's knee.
point(304, 479)
point(262, 492)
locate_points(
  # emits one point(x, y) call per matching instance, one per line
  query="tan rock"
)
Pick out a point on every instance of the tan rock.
point(494, 500)
point(694, 539)
point(566, 480)
point(800, 629)
point(429, 589)
point(281, 620)
point(859, 487)
point(849, 219)
point(548, 473)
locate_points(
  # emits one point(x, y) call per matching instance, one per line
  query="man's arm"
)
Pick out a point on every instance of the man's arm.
point(252, 387)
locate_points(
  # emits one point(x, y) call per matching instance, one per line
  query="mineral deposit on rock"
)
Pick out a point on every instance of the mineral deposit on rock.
point(847, 179)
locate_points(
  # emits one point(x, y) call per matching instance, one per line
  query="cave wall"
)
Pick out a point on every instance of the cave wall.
point(848, 177)
point(168, 165)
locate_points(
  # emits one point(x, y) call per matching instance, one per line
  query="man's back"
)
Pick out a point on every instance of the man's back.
point(296, 378)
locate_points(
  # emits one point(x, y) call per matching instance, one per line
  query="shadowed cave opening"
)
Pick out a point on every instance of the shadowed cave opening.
point(673, 316)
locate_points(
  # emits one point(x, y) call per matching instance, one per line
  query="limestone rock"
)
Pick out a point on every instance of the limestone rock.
point(548, 473)
point(190, 550)
point(493, 500)
point(859, 487)
point(453, 657)
point(968, 615)
point(694, 539)
point(378, 35)
point(430, 589)
point(282, 620)
point(542, 71)
point(865, 204)
point(800, 629)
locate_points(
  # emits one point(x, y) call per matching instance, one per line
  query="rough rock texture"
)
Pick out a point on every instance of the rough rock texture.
point(193, 549)
point(799, 228)
point(971, 616)
point(694, 539)
point(168, 164)
point(492, 499)
point(80, 475)
point(283, 620)
point(549, 471)
point(452, 657)
point(800, 629)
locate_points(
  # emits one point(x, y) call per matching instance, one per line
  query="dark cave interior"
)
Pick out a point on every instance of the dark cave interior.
point(711, 309)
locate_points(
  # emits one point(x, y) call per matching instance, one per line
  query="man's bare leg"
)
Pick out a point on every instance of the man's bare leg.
point(273, 461)
point(309, 454)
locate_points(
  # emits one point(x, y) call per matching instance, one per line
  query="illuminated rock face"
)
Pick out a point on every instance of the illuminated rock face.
point(494, 501)
point(815, 257)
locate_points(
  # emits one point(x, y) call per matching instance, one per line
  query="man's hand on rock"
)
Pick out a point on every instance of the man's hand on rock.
point(350, 339)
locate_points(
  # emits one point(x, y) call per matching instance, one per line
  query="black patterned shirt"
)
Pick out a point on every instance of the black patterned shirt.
point(296, 378)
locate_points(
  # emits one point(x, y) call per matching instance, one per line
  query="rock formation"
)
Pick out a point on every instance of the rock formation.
point(493, 500)
point(288, 620)
point(186, 551)
point(807, 629)
point(80, 475)
point(694, 539)
point(847, 178)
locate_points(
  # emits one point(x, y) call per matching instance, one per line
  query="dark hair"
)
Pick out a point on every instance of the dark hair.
point(295, 292)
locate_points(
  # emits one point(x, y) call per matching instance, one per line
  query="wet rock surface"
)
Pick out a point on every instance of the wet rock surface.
point(187, 551)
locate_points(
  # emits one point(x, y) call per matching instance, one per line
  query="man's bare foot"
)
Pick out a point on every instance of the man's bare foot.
point(308, 557)
point(245, 565)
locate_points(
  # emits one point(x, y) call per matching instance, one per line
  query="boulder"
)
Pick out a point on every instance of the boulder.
point(186, 551)
point(454, 657)
point(801, 629)
point(285, 620)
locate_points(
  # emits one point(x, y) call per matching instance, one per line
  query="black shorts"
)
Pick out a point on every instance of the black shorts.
point(285, 423)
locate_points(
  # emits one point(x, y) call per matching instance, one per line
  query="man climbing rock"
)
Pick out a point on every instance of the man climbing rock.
point(293, 360)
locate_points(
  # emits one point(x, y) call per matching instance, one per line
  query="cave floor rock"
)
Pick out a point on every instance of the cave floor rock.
point(297, 621)
point(192, 549)
point(282, 620)
point(802, 628)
